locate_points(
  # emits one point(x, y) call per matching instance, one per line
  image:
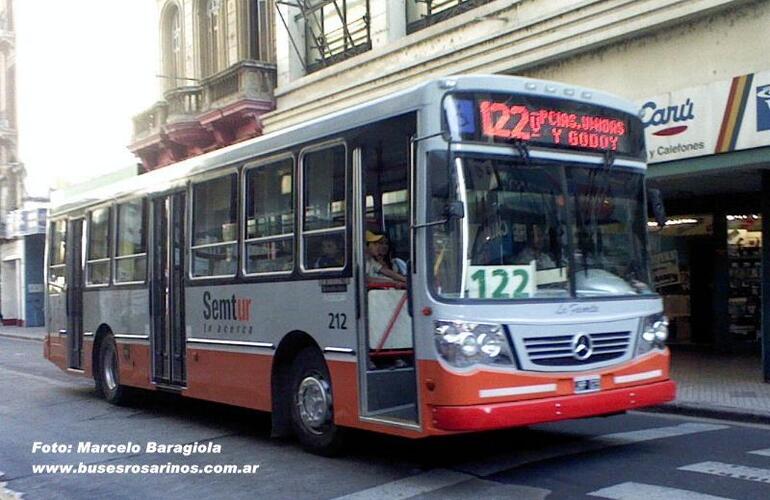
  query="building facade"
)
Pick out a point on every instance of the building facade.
point(697, 69)
point(217, 77)
point(22, 221)
point(12, 172)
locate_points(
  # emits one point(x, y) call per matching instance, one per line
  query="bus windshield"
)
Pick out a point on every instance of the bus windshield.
point(537, 230)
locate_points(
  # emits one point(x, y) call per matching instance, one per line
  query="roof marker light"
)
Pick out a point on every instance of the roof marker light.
point(530, 86)
point(447, 84)
point(587, 95)
point(550, 88)
point(569, 92)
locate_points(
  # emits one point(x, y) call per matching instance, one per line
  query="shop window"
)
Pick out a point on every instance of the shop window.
point(744, 256)
point(334, 30)
point(131, 248)
point(423, 13)
point(269, 236)
point(682, 262)
point(57, 270)
point(324, 208)
point(98, 261)
point(214, 223)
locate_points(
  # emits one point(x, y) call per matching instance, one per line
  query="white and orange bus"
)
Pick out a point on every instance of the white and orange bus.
point(468, 254)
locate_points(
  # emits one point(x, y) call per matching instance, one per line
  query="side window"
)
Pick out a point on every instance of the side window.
point(323, 208)
point(98, 261)
point(214, 223)
point(57, 275)
point(269, 236)
point(131, 248)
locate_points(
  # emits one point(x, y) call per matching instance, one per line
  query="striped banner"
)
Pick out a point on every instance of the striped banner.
point(734, 111)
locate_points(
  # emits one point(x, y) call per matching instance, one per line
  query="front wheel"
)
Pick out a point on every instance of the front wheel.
point(108, 375)
point(312, 409)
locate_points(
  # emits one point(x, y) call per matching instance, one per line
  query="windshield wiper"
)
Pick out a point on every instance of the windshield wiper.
point(588, 235)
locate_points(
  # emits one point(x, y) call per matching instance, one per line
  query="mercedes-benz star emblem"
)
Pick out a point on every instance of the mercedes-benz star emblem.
point(582, 347)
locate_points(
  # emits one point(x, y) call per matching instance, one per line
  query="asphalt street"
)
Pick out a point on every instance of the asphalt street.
point(50, 418)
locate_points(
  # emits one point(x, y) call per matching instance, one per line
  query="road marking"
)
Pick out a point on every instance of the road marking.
point(641, 491)
point(8, 494)
point(38, 378)
point(499, 463)
point(764, 453)
point(730, 470)
point(660, 433)
point(411, 486)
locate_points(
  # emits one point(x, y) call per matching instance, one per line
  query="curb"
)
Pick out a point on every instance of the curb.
point(713, 412)
point(21, 337)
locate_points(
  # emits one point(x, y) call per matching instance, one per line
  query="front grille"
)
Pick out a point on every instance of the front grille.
point(556, 350)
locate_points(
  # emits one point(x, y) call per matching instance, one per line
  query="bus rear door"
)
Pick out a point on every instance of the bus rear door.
point(167, 289)
point(74, 259)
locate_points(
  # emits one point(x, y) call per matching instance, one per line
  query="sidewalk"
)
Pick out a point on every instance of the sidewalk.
point(728, 386)
point(708, 385)
point(20, 332)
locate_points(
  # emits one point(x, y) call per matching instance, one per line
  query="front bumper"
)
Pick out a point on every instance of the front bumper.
point(520, 413)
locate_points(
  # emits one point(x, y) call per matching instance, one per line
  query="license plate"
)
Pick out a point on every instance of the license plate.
point(592, 383)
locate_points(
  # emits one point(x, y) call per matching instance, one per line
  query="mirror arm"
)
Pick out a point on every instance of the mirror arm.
point(429, 224)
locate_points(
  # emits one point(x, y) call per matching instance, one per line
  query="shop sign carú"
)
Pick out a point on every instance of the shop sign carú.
point(723, 116)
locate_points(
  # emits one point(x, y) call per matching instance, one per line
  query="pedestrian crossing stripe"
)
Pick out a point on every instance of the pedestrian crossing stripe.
point(764, 453)
point(730, 470)
point(642, 491)
point(411, 486)
point(496, 464)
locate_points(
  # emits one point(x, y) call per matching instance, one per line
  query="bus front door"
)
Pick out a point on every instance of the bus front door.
point(386, 348)
point(74, 298)
point(167, 289)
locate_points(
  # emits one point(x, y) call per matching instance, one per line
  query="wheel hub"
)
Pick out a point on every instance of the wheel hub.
point(314, 403)
point(109, 363)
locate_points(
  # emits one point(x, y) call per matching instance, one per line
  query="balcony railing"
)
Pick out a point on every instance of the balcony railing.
point(150, 121)
point(7, 38)
point(244, 80)
point(183, 102)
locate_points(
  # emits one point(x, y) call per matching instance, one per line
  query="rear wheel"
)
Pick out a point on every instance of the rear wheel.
point(312, 409)
point(108, 375)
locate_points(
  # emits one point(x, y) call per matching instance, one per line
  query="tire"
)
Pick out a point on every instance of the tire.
point(312, 409)
point(108, 376)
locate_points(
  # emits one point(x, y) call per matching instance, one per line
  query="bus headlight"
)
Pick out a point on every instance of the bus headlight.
point(464, 344)
point(653, 334)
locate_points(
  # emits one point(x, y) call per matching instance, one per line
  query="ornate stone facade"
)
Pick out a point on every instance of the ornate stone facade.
point(217, 76)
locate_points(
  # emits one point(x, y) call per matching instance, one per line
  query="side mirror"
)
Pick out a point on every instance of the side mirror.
point(454, 210)
point(655, 198)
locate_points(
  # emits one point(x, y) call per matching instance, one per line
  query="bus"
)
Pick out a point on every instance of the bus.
point(466, 255)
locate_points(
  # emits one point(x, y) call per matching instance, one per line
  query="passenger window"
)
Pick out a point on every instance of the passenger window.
point(324, 209)
point(269, 242)
point(98, 261)
point(57, 276)
point(131, 250)
point(214, 223)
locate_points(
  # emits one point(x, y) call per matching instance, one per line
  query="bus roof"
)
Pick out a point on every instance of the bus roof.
point(394, 104)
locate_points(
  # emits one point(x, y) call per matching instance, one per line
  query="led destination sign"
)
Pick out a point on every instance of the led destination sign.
point(541, 121)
